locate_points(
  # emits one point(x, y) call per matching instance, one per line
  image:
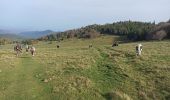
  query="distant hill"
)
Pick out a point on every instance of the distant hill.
point(35, 34)
point(4, 31)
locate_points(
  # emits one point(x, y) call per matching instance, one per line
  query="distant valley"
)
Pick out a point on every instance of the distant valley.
point(35, 34)
point(14, 35)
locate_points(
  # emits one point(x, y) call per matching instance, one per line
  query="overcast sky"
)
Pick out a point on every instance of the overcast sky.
point(60, 15)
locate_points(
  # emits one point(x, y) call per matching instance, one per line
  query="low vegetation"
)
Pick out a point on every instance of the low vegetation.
point(4, 41)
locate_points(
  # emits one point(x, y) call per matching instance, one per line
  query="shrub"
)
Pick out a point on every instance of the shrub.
point(90, 34)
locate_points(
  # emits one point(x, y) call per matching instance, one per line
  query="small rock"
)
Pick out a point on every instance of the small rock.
point(45, 80)
point(36, 76)
point(53, 76)
point(0, 70)
point(50, 79)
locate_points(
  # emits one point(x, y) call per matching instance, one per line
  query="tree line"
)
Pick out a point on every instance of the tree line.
point(133, 30)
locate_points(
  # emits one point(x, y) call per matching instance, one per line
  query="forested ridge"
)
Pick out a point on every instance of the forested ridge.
point(132, 30)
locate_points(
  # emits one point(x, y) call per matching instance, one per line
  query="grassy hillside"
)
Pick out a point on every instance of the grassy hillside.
point(76, 72)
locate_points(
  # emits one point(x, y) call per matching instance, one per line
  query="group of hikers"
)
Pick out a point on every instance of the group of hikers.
point(18, 49)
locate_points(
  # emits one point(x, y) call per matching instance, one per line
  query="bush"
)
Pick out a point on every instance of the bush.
point(5, 41)
point(90, 34)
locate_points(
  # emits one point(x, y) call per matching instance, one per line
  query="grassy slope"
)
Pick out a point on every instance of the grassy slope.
point(76, 72)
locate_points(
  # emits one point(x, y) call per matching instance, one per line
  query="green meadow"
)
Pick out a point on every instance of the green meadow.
point(76, 72)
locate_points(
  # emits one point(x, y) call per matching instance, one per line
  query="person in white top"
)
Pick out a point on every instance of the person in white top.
point(139, 49)
point(32, 50)
point(27, 48)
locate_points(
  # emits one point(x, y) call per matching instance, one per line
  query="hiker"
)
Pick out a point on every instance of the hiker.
point(115, 44)
point(27, 48)
point(18, 49)
point(32, 50)
point(90, 46)
point(139, 49)
point(58, 46)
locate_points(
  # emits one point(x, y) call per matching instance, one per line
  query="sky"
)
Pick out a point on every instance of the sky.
point(60, 15)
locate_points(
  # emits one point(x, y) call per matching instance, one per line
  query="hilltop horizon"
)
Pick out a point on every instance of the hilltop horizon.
point(18, 31)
